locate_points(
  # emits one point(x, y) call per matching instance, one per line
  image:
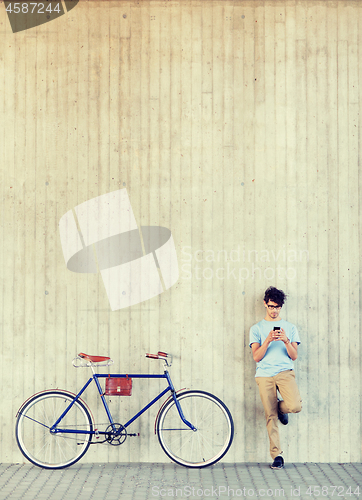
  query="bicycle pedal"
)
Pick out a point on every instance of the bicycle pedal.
point(136, 434)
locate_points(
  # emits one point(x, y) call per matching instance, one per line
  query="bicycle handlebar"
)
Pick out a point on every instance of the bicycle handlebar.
point(167, 358)
point(159, 355)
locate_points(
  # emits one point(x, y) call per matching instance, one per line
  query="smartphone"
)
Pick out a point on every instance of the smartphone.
point(276, 328)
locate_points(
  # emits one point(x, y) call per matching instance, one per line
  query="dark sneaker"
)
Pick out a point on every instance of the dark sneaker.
point(278, 463)
point(283, 417)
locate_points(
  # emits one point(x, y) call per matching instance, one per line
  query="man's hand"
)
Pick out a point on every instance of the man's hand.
point(270, 337)
point(279, 335)
point(292, 347)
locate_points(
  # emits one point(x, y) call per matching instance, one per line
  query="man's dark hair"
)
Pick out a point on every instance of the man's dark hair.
point(275, 295)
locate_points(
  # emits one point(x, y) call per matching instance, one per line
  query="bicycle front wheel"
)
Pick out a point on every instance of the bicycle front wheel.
point(45, 448)
point(213, 435)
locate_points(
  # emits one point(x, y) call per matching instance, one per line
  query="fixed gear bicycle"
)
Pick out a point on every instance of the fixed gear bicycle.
point(54, 428)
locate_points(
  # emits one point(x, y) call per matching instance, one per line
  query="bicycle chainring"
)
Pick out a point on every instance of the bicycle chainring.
point(116, 434)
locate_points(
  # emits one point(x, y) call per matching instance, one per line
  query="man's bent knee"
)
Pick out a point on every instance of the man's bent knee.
point(296, 408)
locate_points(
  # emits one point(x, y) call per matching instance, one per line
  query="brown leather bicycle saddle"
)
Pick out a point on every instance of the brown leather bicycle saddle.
point(94, 359)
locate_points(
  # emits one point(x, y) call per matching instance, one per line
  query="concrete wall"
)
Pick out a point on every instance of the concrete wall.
point(237, 125)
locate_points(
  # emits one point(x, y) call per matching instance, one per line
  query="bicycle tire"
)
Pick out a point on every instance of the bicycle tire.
point(38, 444)
point(214, 429)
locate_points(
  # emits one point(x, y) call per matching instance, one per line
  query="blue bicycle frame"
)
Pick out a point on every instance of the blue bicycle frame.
point(96, 376)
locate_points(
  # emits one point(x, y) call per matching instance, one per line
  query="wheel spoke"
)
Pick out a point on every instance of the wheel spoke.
point(37, 421)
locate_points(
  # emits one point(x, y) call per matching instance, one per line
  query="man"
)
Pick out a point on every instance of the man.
point(274, 343)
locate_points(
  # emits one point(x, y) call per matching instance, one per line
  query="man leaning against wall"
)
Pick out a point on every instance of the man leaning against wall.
point(274, 343)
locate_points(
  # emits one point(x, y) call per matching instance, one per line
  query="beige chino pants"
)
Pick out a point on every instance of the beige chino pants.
point(285, 383)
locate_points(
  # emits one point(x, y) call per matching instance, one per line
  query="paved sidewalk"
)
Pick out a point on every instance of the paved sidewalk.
point(113, 481)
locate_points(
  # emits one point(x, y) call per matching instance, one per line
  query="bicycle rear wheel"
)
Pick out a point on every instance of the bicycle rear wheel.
point(214, 429)
point(44, 448)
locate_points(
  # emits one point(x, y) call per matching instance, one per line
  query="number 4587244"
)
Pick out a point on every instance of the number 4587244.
point(31, 8)
point(330, 491)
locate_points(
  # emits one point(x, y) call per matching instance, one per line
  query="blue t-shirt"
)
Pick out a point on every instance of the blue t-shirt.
point(276, 358)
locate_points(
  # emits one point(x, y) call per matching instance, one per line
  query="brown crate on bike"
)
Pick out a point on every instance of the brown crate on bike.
point(118, 386)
